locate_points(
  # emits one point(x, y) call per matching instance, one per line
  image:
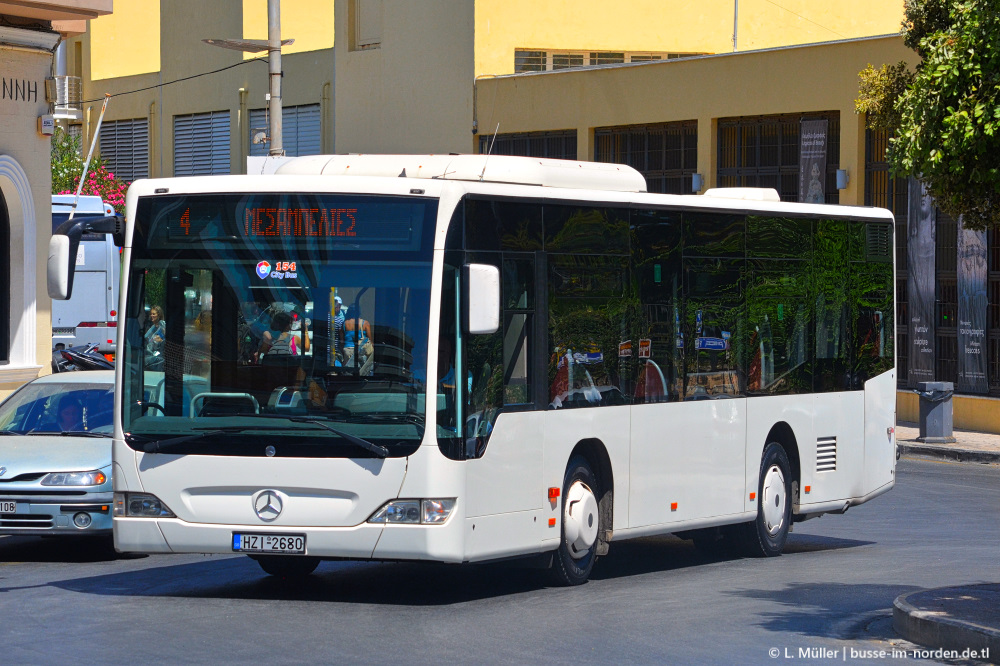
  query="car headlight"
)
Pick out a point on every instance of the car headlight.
point(94, 478)
point(140, 505)
point(414, 512)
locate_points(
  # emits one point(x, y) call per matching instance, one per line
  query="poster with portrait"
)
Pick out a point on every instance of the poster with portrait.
point(971, 310)
point(920, 250)
point(812, 161)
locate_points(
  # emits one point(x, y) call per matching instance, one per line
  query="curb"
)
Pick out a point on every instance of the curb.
point(947, 452)
point(937, 629)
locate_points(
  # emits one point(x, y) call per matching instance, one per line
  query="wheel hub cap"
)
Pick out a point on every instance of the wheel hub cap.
point(773, 499)
point(580, 519)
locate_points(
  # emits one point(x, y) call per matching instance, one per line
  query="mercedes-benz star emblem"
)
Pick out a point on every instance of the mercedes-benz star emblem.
point(267, 504)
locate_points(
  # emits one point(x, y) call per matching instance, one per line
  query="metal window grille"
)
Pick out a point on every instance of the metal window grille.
point(530, 61)
point(567, 60)
point(606, 57)
point(125, 145)
point(558, 145)
point(201, 144)
point(763, 151)
point(300, 130)
point(665, 154)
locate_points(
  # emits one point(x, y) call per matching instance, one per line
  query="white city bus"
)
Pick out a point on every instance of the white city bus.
point(461, 359)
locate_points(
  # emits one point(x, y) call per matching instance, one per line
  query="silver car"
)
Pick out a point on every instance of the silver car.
point(55, 455)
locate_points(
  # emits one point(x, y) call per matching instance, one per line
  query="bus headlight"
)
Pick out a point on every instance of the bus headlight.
point(414, 512)
point(140, 505)
point(94, 478)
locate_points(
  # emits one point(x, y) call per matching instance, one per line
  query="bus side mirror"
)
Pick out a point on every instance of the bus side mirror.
point(481, 303)
point(61, 266)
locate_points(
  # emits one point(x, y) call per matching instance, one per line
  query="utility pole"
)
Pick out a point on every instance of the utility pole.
point(274, 73)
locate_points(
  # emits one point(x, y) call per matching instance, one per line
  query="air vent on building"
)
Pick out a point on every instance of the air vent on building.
point(826, 454)
point(878, 242)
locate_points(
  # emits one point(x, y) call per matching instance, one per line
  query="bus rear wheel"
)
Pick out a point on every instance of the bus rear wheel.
point(287, 566)
point(581, 523)
point(766, 535)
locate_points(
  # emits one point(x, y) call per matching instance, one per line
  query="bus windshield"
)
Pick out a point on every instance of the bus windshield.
point(278, 324)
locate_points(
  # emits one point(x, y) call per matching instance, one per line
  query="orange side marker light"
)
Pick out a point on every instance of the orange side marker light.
point(753, 496)
point(553, 494)
point(552, 522)
point(808, 488)
point(673, 506)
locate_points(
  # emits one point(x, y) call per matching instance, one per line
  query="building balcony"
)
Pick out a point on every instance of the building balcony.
point(56, 10)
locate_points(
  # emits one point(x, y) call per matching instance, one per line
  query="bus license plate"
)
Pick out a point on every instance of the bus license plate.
point(289, 544)
point(8, 507)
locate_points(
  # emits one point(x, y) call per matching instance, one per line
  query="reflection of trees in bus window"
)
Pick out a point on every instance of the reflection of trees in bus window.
point(496, 225)
point(573, 229)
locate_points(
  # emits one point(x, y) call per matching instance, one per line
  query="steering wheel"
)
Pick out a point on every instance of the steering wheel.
point(146, 405)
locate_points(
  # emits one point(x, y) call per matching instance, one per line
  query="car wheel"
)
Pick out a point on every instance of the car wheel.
point(581, 523)
point(765, 536)
point(287, 566)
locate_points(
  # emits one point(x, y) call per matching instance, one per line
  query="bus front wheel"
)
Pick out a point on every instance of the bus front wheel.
point(574, 559)
point(765, 536)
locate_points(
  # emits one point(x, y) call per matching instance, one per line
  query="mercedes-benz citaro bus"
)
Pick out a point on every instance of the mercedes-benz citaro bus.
point(462, 359)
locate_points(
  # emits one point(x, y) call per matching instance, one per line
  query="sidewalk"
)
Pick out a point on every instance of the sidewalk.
point(953, 618)
point(969, 446)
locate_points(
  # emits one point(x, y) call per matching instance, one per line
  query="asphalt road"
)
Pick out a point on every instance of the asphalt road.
point(652, 600)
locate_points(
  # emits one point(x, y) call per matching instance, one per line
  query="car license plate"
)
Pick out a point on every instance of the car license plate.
point(288, 544)
point(8, 507)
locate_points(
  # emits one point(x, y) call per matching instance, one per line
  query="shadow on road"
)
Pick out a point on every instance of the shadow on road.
point(826, 610)
point(405, 584)
point(67, 549)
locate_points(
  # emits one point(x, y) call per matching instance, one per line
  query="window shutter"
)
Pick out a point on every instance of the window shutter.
point(300, 130)
point(201, 144)
point(125, 144)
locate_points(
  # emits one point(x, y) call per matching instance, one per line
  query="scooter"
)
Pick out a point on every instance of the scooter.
point(80, 358)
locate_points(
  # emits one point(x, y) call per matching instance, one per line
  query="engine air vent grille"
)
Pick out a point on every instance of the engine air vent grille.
point(826, 454)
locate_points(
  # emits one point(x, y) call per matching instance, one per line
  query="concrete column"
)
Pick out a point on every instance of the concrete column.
point(585, 144)
point(708, 150)
point(852, 155)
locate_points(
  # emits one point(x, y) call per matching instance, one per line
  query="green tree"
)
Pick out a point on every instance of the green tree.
point(945, 116)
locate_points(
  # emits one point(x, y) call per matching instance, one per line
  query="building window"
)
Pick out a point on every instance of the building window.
point(125, 145)
point(559, 145)
point(5, 290)
point(763, 151)
point(201, 144)
point(365, 21)
point(300, 131)
point(527, 60)
point(665, 154)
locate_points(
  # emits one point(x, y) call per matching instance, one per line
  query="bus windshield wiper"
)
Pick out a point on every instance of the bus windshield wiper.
point(163, 445)
point(387, 417)
point(81, 433)
point(371, 447)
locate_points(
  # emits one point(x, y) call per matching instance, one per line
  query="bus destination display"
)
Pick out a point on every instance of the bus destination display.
point(283, 222)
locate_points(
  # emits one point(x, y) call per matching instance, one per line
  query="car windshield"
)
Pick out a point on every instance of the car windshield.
point(247, 308)
point(56, 407)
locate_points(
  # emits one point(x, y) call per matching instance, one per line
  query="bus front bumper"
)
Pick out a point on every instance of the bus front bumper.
point(439, 543)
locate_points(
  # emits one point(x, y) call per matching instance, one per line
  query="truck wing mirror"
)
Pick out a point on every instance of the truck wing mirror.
point(61, 266)
point(482, 298)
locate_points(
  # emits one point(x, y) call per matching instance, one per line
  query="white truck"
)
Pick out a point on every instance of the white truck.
point(90, 316)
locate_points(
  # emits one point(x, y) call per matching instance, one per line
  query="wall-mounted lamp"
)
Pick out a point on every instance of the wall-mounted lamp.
point(843, 178)
point(697, 182)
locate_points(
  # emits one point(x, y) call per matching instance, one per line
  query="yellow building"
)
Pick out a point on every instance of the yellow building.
point(30, 32)
point(385, 75)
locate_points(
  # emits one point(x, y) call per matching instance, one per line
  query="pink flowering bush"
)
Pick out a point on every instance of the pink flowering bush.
point(102, 183)
point(67, 165)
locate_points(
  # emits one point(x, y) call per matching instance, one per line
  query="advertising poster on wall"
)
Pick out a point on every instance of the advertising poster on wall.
point(920, 266)
point(812, 161)
point(971, 310)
